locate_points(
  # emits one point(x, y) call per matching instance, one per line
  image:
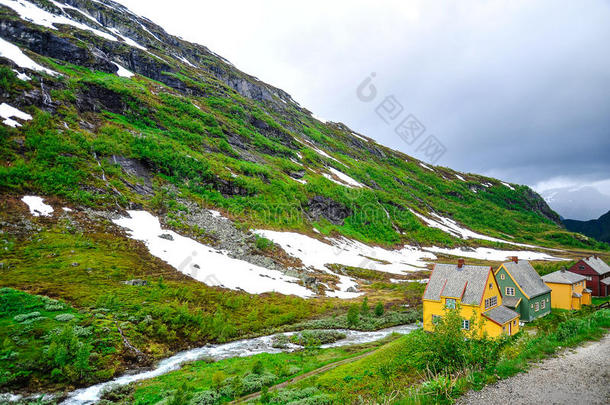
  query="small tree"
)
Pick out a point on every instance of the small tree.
point(364, 309)
point(352, 315)
point(379, 309)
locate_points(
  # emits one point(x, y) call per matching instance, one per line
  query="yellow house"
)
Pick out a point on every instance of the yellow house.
point(475, 291)
point(568, 290)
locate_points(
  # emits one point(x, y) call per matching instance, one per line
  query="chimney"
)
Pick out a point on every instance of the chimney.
point(515, 259)
point(460, 263)
point(563, 269)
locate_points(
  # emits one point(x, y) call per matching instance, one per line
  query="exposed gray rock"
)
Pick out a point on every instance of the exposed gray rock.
point(166, 236)
point(325, 207)
point(136, 282)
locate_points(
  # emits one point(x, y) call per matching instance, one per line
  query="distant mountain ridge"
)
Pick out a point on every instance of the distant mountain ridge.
point(596, 228)
point(579, 203)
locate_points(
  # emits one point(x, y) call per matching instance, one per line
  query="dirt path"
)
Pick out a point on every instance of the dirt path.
point(303, 376)
point(577, 376)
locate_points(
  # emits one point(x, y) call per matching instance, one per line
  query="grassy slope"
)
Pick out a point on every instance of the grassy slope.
point(399, 370)
point(184, 141)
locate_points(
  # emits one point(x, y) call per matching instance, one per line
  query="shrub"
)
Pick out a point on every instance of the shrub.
point(364, 308)
point(64, 317)
point(263, 243)
point(352, 316)
point(280, 341)
point(316, 337)
point(255, 382)
point(207, 397)
point(23, 317)
point(379, 309)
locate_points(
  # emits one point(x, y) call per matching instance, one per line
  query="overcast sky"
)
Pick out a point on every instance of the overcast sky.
point(518, 90)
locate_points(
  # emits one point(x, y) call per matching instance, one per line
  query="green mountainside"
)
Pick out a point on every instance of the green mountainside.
point(190, 122)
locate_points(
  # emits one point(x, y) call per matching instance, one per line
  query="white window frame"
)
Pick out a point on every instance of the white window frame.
point(542, 304)
point(536, 306)
point(465, 324)
point(450, 303)
point(501, 276)
point(509, 290)
point(491, 302)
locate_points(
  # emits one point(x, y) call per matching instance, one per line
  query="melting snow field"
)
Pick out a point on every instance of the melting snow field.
point(37, 206)
point(492, 254)
point(317, 254)
point(204, 263)
point(8, 112)
point(12, 52)
point(453, 228)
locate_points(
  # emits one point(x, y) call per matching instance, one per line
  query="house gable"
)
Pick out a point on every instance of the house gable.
point(526, 306)
point(581, 267)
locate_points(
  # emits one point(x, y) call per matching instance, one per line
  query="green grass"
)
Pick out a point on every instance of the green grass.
point(86, 270)
point(189, 148)
point(235, 377)
point(403, 370)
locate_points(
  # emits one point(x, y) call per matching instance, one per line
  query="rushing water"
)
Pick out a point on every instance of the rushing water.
point(238, 348)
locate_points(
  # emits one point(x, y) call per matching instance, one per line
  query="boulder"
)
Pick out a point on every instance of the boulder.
point(327, 208)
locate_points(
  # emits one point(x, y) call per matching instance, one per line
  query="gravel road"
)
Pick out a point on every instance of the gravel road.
point(576, 376)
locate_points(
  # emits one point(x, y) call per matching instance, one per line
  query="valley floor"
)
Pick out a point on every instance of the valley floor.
point(577, 376)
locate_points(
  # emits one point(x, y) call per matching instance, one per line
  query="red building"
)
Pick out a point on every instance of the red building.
point(597, 273)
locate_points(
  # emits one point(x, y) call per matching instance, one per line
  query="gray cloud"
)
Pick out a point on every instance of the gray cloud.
point(514, 89)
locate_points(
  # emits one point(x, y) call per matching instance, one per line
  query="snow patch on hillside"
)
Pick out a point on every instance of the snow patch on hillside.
point(22, 76)
point(12, 52)
point(38, 16)
point(123, 72)
point(205, 263)
point(426, 167)
point(490, 254)
point(37, 206)
point(9, 112)
point(345, 179)
point(509, 186)
point(453, 228)
point(318, 253)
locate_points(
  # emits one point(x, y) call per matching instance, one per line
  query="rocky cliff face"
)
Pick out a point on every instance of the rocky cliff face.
point(115, 95)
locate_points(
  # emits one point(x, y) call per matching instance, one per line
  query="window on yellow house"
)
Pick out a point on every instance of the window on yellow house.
point(510, 291)
point(465, 324)
point(491, 302)
point(450, 303)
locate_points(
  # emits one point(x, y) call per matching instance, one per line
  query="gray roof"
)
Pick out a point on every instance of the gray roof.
point(501, 314)
point(511, 302)
point(606, 280)
point(597, 264)
point(467, 283)
point(576, 295)
point(563, 277)
point(527, 277)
